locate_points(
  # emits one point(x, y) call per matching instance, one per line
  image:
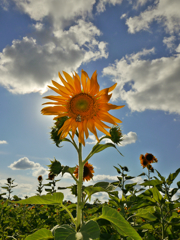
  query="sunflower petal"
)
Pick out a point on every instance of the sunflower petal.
point(66, 84)
point(53, 110)
point(91, 126)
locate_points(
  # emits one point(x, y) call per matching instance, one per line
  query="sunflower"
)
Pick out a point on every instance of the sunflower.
point(83, 103)
point(150, 158)
point(88, 172)
point(40, 178)
point(144, 162)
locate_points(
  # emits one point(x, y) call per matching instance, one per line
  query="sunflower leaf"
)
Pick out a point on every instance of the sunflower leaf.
point(98, 148)
point(41, 234)
point(119, 223)
point(55, 198)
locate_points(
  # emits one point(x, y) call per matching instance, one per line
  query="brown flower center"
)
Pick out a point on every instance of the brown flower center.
point(82, 105)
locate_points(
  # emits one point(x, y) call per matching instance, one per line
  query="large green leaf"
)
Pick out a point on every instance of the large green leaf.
point(100, 147)
point(55, 198)
point(144, 213)
point(172, 176)
point(90, 229)
point(41, 234)
point(156, 194)
point(120, 224)
point(67, 169)
point(99, 187)
point(151, 183)
point(64, 232)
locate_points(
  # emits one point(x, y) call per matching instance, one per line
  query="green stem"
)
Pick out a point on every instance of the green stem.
point(162, 222)
point(79, 189)
point(67, 210)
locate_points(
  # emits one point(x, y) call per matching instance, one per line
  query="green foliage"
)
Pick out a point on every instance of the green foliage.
point(55, 198)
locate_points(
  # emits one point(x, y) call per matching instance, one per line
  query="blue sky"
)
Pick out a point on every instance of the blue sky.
point(134, 43)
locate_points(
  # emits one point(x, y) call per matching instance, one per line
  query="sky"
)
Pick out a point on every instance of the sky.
point(134, 43)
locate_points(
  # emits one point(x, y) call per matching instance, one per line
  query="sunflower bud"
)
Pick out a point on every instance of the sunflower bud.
point(55, 167)
point(116, 135)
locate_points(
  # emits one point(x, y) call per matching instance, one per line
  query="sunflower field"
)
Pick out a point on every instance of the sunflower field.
point(150, 210)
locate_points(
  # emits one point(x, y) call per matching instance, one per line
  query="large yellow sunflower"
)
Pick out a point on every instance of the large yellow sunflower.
point(83, 103)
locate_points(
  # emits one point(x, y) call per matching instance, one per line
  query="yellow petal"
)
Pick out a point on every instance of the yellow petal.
point(53, 110)
point(94, 86)
point(63, 90)
point(67, 85)
point(90, 125)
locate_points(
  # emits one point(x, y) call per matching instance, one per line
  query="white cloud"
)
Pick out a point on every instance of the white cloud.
point(40, 171)
point(27, 66)
point(153, 84)
point(101, 6)
point(93, 138)
point(4, 4)
point(57, 10)
point(24, 163)
point(129, 138)
point(3, 142)
point(169, 42)
point(165, 12)
point(106, 178)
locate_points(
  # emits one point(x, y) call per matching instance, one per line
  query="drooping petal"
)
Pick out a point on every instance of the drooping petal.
point(53, 110)
point(90, 125)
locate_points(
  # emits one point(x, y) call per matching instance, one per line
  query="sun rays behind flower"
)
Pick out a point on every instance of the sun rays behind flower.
point(85, 105)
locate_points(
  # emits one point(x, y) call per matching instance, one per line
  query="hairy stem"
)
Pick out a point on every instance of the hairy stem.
point(79, 189)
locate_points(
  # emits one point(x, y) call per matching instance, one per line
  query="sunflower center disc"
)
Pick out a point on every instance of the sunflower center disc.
point(81, 104)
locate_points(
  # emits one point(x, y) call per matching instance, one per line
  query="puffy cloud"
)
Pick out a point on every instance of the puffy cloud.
point(106, 178)
point(3, 142)
point(165, 12)
point(130, 137)
point(40, 171)
point(147, 84)
point(101, 6)
point(27, 66)
point(57, 10)
point(24, 163)
point(169, 42)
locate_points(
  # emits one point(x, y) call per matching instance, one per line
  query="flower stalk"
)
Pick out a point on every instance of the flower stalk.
point(79, 189)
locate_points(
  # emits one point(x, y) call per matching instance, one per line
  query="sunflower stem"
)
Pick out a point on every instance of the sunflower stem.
point(79, 189)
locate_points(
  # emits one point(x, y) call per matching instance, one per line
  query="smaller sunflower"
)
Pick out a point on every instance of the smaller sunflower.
point(144, 162)
point(88, 172)
point(150, 158)
point(51, 176)
point(40, 178)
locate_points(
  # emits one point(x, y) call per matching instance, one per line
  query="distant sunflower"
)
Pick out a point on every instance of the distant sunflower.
point(150, 158)
point(88, 172)
point(144, 162)
point(83, 103)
